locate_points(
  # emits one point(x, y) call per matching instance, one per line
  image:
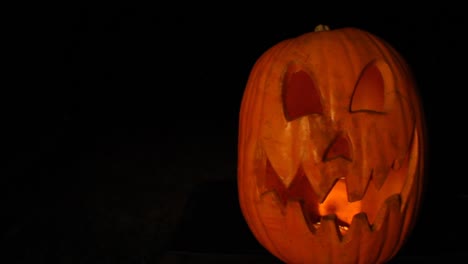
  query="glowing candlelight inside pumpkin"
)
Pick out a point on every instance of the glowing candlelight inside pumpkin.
point(337, 203)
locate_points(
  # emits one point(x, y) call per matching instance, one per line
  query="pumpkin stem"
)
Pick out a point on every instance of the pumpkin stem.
point(321, 28)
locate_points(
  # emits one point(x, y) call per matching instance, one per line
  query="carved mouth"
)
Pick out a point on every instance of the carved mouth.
point(335, 207)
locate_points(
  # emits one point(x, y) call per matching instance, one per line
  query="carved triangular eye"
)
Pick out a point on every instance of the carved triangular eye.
point(300, 96)
point(369, 92)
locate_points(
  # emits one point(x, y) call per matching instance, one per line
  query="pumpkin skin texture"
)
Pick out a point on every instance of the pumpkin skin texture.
point(331, 149)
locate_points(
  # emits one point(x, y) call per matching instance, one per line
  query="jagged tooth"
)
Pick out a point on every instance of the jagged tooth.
point(325, 188)
point(379, 176)
point(379, 218)
point(352, 241)
point(360, 226)
point(329, 230)
point(300, 188)
point(323, 178)
point(357, 185)
point(272, 183)
point(392, 204)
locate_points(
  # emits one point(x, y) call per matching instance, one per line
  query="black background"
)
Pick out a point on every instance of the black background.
point(120, 127)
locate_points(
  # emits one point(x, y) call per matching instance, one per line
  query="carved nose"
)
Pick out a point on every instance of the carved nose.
point(340, 147)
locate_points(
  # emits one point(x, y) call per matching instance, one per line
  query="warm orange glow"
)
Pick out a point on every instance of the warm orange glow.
point(337, 203)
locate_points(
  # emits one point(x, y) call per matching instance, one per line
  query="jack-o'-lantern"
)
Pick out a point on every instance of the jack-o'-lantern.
point(331, 149)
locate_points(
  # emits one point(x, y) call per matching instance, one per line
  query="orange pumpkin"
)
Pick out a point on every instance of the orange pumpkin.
point(331, 149)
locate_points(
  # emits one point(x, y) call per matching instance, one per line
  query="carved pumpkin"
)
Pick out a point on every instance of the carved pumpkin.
point(330, 152)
